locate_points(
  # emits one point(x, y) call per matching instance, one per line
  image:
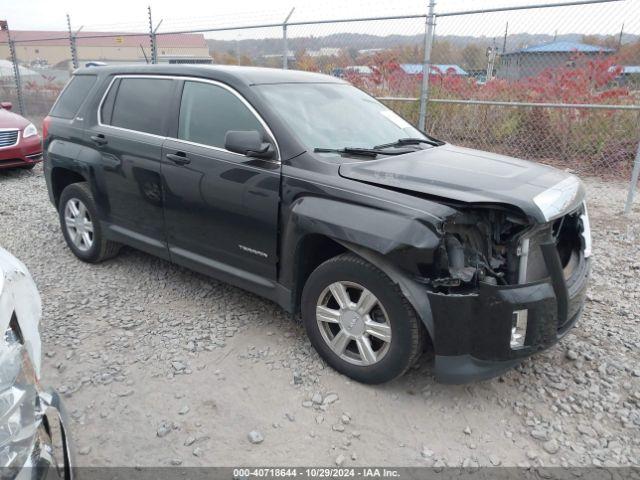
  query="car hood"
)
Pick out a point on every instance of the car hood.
point(12, 120)
point(475, 177)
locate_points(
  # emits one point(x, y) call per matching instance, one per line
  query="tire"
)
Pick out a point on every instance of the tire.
point(390, 359)
point(98, 248)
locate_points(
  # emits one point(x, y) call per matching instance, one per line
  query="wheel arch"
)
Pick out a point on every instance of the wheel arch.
point(61, 178)
point(312, 249)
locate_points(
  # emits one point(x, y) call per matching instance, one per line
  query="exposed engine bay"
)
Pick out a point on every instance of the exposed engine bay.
point(500, 248)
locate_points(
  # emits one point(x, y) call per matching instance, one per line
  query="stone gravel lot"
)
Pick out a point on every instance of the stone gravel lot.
point(161, 366)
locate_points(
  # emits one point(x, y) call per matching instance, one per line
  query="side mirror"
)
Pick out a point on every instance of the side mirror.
point(6, 105)
point(248, 142)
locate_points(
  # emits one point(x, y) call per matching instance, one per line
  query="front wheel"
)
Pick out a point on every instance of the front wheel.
point(359, 321)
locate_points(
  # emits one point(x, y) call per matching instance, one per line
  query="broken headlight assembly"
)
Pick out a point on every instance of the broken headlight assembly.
point(479, 246)
point(20, 413)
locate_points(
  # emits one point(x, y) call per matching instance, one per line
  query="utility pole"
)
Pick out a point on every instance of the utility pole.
point(426, 64)
point(504, 41)
point(620, 37)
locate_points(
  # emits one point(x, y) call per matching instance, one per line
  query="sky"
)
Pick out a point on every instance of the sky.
point(131, 15)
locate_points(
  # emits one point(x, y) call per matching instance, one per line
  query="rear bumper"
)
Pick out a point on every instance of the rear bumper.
point(27, 152)
point(473, 331)
point(51, 456)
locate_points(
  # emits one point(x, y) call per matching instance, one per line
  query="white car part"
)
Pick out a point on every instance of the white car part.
point(20, 300)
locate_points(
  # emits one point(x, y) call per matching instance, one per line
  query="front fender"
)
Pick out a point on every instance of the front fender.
point(383, 238)
point(378, 230)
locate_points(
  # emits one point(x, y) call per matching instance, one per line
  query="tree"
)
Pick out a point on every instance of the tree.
point(609, 41)
point(306, 62)
point(630, 53)
point(473, 57)
point(442, 52)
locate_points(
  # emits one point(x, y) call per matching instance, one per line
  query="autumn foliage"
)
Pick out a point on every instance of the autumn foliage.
point(598, 141)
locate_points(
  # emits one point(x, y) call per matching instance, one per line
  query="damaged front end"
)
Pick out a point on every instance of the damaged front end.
point(34, 443)
point(502, 287)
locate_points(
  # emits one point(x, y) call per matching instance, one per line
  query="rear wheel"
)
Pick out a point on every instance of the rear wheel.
point(359, 321)
point(80, 225)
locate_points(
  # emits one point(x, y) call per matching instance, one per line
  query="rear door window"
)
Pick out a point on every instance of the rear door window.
point(72, 96)
point(141, 104)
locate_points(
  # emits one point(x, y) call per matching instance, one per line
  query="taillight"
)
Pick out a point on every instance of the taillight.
point(45, 127)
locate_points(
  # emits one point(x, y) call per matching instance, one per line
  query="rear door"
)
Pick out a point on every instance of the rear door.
point(128, 136)
point(221, 208)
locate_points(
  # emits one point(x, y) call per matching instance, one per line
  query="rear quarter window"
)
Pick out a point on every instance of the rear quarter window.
point(73, 95)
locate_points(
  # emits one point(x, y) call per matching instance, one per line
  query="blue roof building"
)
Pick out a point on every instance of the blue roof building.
point(563, 47)
point(531, 61)
point(436, 69)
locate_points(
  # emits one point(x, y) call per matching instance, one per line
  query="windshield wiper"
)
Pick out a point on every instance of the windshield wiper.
point(365, 152)
point(410, 141)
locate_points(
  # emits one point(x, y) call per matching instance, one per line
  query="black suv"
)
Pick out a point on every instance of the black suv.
point(303, 189)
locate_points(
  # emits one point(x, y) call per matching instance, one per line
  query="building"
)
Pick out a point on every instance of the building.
point(630, 76)
point(531, 61)
point(360, 70)
point(435, 69)
point(325, 52)
point(51, 48)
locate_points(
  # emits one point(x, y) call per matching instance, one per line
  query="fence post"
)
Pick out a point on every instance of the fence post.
point(16, 73)
point(72, 44)
point(634, 182)
point(152, 38)
point(426, 64)
point(285, 44)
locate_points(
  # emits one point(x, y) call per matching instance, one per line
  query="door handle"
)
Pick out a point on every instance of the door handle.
point(99, 139)
point(179, 158)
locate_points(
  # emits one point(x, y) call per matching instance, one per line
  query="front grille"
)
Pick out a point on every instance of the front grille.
point(8, 138)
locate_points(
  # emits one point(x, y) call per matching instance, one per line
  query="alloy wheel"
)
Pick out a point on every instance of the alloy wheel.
point(79, 224)
point(353, 323)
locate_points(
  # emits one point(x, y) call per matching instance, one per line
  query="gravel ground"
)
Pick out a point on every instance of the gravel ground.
point(162, 366)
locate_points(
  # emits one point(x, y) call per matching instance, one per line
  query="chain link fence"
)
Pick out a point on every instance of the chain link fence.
point(557, 83)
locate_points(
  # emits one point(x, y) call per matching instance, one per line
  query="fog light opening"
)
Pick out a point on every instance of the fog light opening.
point(518, 328)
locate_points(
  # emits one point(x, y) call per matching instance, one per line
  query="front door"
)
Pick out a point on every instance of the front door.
point(221, 208)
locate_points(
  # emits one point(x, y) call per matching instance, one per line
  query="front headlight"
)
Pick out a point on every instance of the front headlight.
point(29, 131)
point(20, 412)
point(554, 201)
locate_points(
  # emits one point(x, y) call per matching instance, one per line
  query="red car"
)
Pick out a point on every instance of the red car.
point(20, 144)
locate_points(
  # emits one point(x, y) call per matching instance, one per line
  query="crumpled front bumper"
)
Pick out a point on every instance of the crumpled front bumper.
point(473, 331)
point(51, 455)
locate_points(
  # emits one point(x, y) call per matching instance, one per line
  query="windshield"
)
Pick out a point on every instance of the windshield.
point(336, 115)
